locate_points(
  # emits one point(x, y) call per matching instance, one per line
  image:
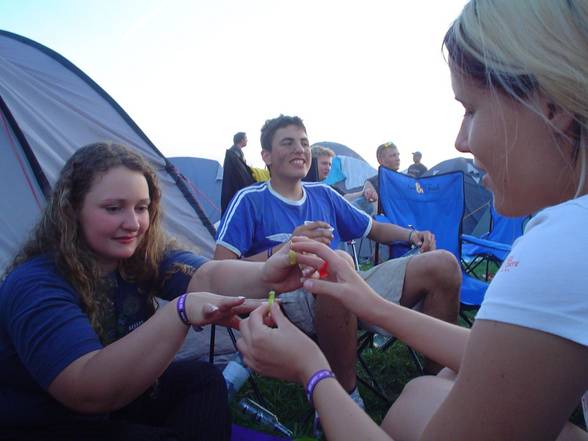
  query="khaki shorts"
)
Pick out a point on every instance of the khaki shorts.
point(387, 279)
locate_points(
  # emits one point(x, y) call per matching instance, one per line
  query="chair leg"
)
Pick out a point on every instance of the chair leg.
point(211, 347)
point(416, 359)
point(464, 317)
point(373, 384)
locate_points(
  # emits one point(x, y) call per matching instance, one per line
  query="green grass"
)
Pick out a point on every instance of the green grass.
point(393, 368)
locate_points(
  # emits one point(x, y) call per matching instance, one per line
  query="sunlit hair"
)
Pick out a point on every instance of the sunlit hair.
point(271, 126)
point(523, 47)
point(382, 148)
point(59, 233)
point(319, 150)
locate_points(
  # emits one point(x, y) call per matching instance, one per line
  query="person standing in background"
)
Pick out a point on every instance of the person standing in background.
point(417, 169)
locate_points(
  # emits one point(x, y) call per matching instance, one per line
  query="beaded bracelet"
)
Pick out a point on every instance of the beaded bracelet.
point(314, 380)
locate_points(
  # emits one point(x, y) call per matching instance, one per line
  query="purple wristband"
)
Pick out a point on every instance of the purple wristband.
point(314, 380)
point(181, 308)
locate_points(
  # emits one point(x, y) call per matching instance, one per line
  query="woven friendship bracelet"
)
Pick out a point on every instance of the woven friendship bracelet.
point(315, 379)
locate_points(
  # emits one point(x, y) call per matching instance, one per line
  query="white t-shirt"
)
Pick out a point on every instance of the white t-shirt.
point(543, 283)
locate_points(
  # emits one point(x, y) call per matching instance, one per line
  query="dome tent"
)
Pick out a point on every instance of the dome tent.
point(350, 170)
point(49, 108)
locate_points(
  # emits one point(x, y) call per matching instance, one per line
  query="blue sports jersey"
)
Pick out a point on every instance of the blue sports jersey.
point(258, 217)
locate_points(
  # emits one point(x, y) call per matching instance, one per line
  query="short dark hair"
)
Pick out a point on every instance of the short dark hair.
point(239, 136)
point(272, 125)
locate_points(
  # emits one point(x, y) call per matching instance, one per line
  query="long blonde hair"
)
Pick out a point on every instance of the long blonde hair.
point(59, 234)
point(519, 47)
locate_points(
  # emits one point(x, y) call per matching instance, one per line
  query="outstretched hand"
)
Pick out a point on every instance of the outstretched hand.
point(284, 270)
point(204, 308)
point(342, 282)
point(275, 351)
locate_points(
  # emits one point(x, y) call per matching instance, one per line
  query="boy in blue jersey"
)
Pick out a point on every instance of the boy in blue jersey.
point(261, 218)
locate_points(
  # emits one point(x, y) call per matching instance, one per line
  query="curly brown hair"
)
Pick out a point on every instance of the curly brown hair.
point(59, 234)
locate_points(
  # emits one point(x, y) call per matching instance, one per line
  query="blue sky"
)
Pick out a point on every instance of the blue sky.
point(192, 73)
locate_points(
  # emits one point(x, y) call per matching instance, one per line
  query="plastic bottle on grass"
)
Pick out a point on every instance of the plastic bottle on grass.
point(236, 374)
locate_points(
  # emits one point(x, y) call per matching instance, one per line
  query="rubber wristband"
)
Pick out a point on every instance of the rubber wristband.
point(315, 379)
point(181, 308)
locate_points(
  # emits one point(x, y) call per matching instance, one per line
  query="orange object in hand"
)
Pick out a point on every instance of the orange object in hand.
point(324, 270)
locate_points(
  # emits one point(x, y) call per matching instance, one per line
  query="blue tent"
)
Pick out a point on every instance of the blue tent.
point(205, 177)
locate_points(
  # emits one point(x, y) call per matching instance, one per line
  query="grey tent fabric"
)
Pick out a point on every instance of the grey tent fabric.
point(205, 177)
point(340, 149)
point(49, 109)
point(21, 199)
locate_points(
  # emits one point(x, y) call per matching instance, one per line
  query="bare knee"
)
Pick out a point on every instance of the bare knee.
point(439, 268)
point(415, 406)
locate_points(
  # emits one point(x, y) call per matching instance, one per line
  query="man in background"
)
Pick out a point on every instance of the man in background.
point(324, 160)
point(236, 173)
point(417, 169)
point(388, 156)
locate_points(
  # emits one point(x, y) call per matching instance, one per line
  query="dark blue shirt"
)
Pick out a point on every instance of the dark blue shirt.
point(43, 329)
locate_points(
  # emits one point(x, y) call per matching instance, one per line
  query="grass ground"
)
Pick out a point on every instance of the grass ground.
point(393, 368)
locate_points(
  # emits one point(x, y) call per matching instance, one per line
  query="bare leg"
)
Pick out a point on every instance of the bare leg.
point(411, 412)
point(336, 330)
point(435, 279)
point(422, 397)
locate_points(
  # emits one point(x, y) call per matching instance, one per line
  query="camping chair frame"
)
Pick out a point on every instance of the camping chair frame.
point(366, 339)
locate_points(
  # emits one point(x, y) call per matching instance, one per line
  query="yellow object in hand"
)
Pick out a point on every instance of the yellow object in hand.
point(292, 257)
point(271, 298)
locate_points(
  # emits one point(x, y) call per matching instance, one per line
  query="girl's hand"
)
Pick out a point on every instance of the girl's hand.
point(342, 281)
point(283, 271)
point(276, 351)
point(204, 308)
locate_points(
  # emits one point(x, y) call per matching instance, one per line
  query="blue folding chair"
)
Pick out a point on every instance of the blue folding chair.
point(434, 203)
point(493, 246)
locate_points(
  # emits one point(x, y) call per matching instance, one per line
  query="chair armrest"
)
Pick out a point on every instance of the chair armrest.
point(485, 243)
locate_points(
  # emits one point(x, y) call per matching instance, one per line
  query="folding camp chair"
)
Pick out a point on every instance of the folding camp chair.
point(434, 203)
point(493, 246)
